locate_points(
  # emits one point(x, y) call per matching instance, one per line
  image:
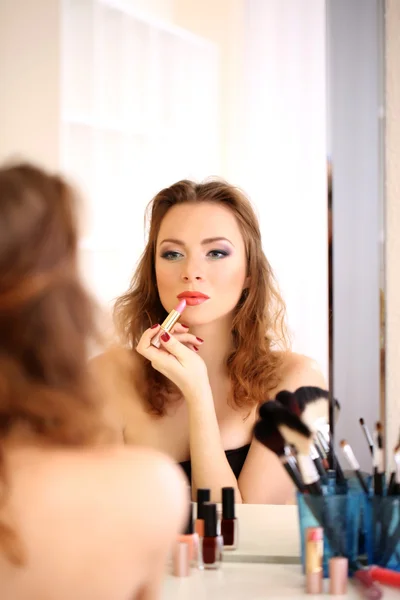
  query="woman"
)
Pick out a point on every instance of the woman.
point(196, 397)
point(80, 515)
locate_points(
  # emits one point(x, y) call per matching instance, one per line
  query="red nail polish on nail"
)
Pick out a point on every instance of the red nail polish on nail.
point(199, 340)
point(195, 348)
point(165, 337)
point(154, 326)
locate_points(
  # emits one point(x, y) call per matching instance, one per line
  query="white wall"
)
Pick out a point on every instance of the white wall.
point(271, 130)
point(282, 160)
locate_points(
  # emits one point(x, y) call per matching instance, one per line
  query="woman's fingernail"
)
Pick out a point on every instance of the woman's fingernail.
point(199, 340)
point(154, 326)
point(185, 326)
point(195, 348)
point(165, 337)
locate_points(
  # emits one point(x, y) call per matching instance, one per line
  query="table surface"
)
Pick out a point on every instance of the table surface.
point(249, 581)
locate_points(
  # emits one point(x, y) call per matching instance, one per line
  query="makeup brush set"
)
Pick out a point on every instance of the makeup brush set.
point(359, 512)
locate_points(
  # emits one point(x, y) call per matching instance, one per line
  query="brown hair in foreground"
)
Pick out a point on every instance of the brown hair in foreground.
point(46, 322)
point(258, 323)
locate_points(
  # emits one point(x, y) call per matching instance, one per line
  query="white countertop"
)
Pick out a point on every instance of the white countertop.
point(249, 581)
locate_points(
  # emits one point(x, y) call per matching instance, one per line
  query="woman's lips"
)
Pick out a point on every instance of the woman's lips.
point(195, 300)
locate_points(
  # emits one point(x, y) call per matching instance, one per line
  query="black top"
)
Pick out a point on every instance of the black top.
point(235, 458)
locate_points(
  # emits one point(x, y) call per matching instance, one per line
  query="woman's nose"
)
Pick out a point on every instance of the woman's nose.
point(191, 272)
point(188, 278)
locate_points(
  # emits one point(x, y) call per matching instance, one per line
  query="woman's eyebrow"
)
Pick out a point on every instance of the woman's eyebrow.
point(203, 242)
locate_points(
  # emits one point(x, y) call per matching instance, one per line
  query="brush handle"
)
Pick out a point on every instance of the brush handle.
point(294, 476)
point(362, 481)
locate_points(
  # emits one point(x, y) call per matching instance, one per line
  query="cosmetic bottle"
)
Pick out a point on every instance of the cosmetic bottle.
point(181, 560)
point(229, 523)
point(203, 495)
point(211, 543)
point(314, 558)
point(191, 538)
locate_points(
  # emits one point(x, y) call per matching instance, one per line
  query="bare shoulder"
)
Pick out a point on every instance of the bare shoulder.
point(116, 372)
point(113, 493)
point(298, 370)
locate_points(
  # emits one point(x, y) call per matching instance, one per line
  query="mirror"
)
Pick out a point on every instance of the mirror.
point(263, 93)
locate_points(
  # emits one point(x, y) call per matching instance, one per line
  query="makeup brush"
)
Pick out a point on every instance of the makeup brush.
point(354, 464)
point(275, 417)
point(368, 436)
point(313, 404)
point(394, 484)
point(289, 400)
point(378, 460)
point(275, 442)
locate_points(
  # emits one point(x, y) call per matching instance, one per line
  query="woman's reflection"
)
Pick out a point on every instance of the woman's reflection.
point(197, 396)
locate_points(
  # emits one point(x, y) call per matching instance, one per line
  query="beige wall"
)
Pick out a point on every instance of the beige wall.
point(222, 22)
point(29, 80)
point(392, 222)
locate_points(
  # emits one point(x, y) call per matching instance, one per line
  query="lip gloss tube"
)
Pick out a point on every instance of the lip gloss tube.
point(191, 538)
point(211, 543)
point(169, 322)
point(229, 523)
point(314, 557)
point(203, 495)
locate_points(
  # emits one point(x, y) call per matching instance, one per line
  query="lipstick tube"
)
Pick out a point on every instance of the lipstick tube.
point(314, 557)
point(169, 322)
point(229, 523)
point(211, 543)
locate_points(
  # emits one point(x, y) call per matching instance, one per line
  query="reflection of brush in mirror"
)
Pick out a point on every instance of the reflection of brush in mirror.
point(368, 436)
point(394, 483)
point(354, 464)
point(379, 474)
point(267, 432)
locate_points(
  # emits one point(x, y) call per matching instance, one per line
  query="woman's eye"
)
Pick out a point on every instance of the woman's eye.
point(171, 255)
point(218, 253)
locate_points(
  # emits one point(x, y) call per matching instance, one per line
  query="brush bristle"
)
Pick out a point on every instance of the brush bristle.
point(307, 393)
point(361, 421)
point(343, 443)
point(289, 400)
point(270, 438)
point(275, 415)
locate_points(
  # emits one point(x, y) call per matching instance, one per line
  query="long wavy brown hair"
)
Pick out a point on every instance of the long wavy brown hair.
point(258, 326)
point(47, 320)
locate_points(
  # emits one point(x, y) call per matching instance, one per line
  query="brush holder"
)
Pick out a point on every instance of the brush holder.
point(342, 517)
point(383, 531)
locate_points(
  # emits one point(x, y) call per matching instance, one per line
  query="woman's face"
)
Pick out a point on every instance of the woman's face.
point(200, 248)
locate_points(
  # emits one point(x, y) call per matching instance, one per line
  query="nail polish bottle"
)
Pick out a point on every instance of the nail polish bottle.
point(191, 538)
point(229, 523)
point(211, 543)
point(203, 495)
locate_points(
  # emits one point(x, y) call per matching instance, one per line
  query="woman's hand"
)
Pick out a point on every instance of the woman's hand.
point(174, 359)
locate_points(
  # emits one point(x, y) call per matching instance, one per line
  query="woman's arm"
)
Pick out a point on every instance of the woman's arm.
point(263, 480)
point(185, 368)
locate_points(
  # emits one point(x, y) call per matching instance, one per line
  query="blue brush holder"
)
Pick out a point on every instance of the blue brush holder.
point(343, 516)
point(383, 535)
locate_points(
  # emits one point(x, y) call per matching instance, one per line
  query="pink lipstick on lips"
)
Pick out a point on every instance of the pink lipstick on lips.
point(193, 298)
point(169, 322)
